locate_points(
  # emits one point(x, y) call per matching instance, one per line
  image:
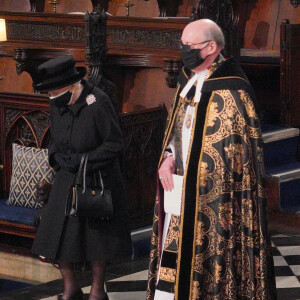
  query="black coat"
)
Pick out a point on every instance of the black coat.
point(78, 129)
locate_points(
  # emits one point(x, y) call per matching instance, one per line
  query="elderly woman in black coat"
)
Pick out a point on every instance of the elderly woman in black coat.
point(82, 120)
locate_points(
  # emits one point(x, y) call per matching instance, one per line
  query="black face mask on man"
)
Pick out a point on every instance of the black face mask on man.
point(192, 57)
point(63, 99)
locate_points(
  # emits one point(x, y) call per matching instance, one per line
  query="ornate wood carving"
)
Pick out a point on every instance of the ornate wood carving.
point(172, 67)
point(100, 5)
point(50, 32)
point(29, 59)
point(168, 8)
point(96, 51)
point(28, 129)
point(225, 14)
point(9, 116)
point(158, 34)
point(155, 39)
point(143, 133)
point(289, 73)
point(24, 119)
point(145, 37)
point(37, 5)
point(23, 64)
point(295, 3)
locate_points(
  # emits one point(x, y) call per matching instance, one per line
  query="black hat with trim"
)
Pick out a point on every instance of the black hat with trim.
point(57, 73)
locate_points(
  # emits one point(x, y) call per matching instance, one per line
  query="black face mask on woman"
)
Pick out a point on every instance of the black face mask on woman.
point(191, 57)
point(62, 100)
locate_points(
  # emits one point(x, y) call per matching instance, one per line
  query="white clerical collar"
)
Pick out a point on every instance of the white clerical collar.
point(199, 77)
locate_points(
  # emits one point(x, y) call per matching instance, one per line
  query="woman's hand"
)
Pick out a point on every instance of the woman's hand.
point(165, 172)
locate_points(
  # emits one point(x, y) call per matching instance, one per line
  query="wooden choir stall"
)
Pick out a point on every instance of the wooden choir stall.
point(131, 51)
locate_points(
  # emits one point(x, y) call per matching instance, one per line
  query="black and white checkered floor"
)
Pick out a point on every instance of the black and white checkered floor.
point(286, 254)
point(128, 281)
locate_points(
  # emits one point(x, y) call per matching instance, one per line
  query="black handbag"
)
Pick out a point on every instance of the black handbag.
point(86, 201)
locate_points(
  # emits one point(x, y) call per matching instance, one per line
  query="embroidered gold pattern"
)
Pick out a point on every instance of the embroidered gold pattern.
point(196, 290)
point(217, 272)
point(235, 153)
point(213, 114)
point(200, 233)
point(204, 171)
point(171, 242)
point(248, 104)
point(232, 250)
point(226, 215)
point(167, 274)
point(247, 213)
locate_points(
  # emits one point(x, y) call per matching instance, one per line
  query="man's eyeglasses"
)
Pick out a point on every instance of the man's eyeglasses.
point(188, 47)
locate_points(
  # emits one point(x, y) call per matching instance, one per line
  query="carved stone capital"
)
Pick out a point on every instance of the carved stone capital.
point(172, 67)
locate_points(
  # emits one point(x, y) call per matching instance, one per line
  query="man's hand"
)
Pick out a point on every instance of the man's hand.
point(165, 172)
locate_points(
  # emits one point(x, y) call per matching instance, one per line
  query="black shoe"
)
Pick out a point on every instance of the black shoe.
point(77, 296)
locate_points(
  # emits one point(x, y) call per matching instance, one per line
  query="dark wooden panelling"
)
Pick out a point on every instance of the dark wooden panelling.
point(290, 74)
point(143, 134)
point(132, 44)
point(132, 41)
point(263, 24)
point(265, 79)
point(12, 81)
point(145, 89)
point(272, 193)
point(284, 222)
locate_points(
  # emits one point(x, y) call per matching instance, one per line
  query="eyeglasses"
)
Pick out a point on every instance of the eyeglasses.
point(188, 47)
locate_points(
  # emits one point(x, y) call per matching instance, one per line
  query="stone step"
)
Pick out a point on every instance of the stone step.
point(141, 242)
point(274, 133)
point(280, 147)
point(283, 191)
point(288, 174)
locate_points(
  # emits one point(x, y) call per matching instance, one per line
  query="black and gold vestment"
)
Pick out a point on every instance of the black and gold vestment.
point(219, 247)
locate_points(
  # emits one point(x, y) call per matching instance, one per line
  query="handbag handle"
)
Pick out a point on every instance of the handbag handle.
point(78, 175)
point(83, 164)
